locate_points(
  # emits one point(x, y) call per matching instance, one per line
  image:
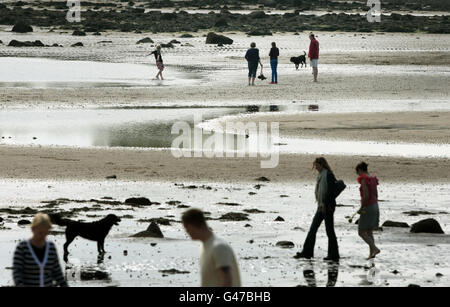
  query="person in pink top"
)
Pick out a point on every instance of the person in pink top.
point(313, 55)
point(370, 213)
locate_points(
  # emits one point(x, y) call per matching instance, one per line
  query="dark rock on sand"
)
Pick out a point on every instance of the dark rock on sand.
point(285, 244)
point(23, 222)
point(234, 216)
point(186, 35)
point(413, 286)
point(173, 271)
point(138, 201)
point(395, 224)
point(153, 231)
point(111, 177)
point(78, 33)
point(146, 40)
point(427, 226)
point(15, 43)
point(229, 204)
point(263, 179)
point(259, 32)
point(214, 38)
point(253, 211)
point(169, 45)
point(93, 274)
point(417, 213)
point(173, 202)
point(79, 44)
point(174, 41)
point(279, 219)
point(158, 220)
point(22, 27)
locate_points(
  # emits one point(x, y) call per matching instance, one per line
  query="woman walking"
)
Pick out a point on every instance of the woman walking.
point(370, 212)
point(325, 211)
point(252, 57)
point(159, 62)
point(36, 262)
point(274, 54)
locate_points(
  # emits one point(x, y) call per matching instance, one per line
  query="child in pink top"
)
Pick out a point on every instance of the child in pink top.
point(370, 212)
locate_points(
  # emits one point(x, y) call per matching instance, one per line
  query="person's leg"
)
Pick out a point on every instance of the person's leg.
point(375, 249)
point(364, 234)
point(276, 71)
point(333, 249)
point(315, 72)
point(310, 242)
point(272, 66)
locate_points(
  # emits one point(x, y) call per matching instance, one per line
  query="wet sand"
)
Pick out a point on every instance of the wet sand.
point(410, 127)
point(134, 164)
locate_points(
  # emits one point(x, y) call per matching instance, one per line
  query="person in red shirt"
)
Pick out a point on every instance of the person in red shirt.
point(314, 55)
point(370, 213)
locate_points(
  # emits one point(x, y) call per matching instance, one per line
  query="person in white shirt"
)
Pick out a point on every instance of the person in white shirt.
point(218, 264)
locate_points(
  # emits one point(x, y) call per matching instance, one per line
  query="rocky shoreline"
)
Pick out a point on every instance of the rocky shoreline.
point(145, 17)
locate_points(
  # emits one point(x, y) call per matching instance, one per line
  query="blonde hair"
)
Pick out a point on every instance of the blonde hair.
point(158, 47)
point(41, 219)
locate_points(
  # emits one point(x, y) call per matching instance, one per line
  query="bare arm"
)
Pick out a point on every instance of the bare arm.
point(226, 280)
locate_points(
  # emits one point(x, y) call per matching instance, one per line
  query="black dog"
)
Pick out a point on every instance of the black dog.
point(299, 60)
point(95, 231)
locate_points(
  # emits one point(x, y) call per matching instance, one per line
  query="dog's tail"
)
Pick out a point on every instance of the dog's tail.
point(58, 220)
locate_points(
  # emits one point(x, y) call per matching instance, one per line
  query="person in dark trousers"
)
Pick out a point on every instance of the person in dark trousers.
point(314, 55)
point(325, 211)
point(252, 57)
point(36, 262)
point(274, 54)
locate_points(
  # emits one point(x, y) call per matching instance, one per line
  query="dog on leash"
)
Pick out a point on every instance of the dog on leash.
point(299, 60)
point(94, 231)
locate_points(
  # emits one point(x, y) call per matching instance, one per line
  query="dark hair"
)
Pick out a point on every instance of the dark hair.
point(274, 44)
point(253, 45)
point(322, 161)
point(312, 35)
point(194, 217)
point(362, 166)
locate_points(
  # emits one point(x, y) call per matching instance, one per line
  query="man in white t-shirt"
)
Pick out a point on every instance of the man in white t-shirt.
point(218, 263)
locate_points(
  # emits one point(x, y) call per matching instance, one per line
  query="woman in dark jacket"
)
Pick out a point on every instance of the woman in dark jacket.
point(325, 211)
point(274, 54)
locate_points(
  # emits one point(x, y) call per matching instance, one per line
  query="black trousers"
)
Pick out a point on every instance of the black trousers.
point(333, 249)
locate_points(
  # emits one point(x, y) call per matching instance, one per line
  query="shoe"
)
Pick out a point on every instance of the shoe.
point(302, 256)
point(333, 259)
point(272, 83)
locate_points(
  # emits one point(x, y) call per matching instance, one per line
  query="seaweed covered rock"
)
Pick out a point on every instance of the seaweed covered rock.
point(216, 39)
point(22, 27)
point(153, 231)
point(427, 226)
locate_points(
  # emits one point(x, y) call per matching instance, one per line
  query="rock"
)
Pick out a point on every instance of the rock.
point(259, 32)
point(23, 222)
point(153, 231)
point(417, 213)
point(78, 33)
point(1, 43)
point(234, 216)
point(169, 45)
point(229, 204)
point(257, 14)
point(1, 220)
point(253, 211)
point(215, 39)
point(125, 253)
point(111, 177)
point(22, 27)
point(158, 220)
point(174, 41)
point(285, 244)
point(146, 40)
point(395, 224)
point(173, 271)
point(79, 44)
point(413, 286)
point(252, 193)
point(439, 275)
point(248, 225)
point(279, 219)
point(15, 43)
point(263, 179)
point(186, 35)
point(427, 226)
point(139, 201)
point(93, 274)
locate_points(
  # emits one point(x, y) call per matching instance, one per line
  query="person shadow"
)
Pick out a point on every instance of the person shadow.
point(310, 276)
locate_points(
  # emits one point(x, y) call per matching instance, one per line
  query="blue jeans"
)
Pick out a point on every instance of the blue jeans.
point(274, 65)
point(308, 247)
